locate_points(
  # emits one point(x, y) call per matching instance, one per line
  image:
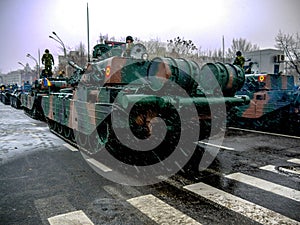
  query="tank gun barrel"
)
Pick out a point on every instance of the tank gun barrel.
point(126, 100)
point(75, 66)
point(77, 74)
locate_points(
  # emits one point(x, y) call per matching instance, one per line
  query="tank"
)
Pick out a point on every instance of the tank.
point(3, 97)
point(274, 104)
point(6, 92)
point(31, 96)
point(15, 96)
point(117, 101)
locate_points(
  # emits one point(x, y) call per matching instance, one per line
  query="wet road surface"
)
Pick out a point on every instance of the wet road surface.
point(43, 180)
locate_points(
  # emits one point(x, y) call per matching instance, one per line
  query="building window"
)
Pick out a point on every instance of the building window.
point(276, 68)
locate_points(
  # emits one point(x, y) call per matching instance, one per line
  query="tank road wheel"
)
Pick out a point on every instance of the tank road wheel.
point(60, 128)
point(53, 125)
point(81, 139)
point(72, 136)
point(67, 132)
point(157, 125)
point(50, 124)
point(93, 142)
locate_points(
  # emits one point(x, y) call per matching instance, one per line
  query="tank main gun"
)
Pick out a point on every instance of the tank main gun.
point(77, 74)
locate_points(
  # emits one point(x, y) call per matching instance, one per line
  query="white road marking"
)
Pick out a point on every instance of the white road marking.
point(266, 185)
point(270, 168)
point(159, 211)
point(297, 161)
point(262, 132)
point(99, 165)
point(213, 145)
point(76, 217)
point(239, 205)
point(70, 147)
point(290, 171)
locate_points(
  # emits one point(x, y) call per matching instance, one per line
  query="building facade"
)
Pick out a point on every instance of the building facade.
point(265, 61)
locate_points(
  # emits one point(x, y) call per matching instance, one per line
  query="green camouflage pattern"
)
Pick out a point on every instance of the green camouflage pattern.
point(273, 102)
point(112, 84)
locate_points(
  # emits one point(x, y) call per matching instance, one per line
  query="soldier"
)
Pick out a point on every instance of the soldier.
point(48, 60)
point(129, 45)
point(239, 60)
point(61, 74)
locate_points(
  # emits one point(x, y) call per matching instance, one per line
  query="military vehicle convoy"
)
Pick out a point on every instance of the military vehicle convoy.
point(119, 101)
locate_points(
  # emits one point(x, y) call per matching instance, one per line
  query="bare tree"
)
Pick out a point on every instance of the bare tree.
point(290, 44)
point(181, 46)
point(154, 47)
point(240, 45)
point(82, 54)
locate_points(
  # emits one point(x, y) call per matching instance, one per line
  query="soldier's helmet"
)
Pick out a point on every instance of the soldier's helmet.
point(129, 38)
point(238, 53)
point(47, 50)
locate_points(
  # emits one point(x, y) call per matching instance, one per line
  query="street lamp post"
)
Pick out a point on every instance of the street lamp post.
point(57, 39)
point(22, 64)
point(24, 69)
point(36, 62)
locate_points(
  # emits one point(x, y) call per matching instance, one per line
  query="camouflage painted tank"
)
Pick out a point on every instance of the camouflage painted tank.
point(274, 105)
point(31, 97)
point(118, 101)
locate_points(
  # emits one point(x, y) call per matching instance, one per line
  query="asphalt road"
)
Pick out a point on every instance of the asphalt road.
point(43, 180)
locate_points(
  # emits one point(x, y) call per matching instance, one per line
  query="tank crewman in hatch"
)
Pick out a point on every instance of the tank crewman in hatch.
point(48, 60)
point(129, 45)
point(239, 60)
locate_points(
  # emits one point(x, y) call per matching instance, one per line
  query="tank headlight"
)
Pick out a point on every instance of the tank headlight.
point(261, 78)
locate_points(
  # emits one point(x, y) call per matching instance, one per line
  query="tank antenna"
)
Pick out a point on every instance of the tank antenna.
point(88, 30)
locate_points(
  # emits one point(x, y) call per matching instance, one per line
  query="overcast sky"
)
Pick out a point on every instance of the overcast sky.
point(25, 25)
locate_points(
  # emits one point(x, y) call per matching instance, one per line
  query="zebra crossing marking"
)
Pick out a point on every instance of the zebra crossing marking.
point(75, 217)
point(160, 212)
point(270, 168)
point(266, 185)
point(283, 170)
point(273, 169)
point(297, 161)
point(239, 205)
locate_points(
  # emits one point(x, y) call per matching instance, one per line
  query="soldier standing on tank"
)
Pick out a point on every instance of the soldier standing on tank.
point(48, 61)
point(129, 45)
point(239, 60)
